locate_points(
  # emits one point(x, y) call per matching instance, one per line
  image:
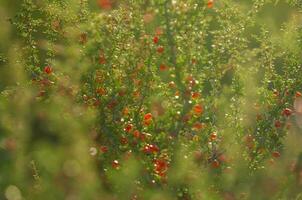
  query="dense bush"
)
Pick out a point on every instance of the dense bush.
point(150, 99)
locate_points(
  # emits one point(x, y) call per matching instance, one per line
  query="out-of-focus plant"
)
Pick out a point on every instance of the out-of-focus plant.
point(150, 99)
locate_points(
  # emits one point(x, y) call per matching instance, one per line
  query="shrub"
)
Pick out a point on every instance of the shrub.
point(151, 99)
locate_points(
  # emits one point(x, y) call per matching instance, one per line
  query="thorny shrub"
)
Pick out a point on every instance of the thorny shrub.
point(151, 99)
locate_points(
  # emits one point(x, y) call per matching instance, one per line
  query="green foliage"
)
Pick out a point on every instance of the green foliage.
point(150, 99)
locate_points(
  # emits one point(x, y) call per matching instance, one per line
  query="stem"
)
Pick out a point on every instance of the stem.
point(173, 60)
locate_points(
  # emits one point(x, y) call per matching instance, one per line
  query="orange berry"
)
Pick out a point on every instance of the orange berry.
point(213, 136)
point(210, 3)
point(105, 4)
point(198, 109)
point(148, 116)
point(195, 95)
point(298, 94)
point(48, 70)
point(163, 67)
point(198, 126)
point(276, 154)
point(215, 164)
point(101, 91)
point(136, 134)
point(126, 111)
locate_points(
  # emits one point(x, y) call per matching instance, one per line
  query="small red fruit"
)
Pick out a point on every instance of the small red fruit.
point(128, 127)
point(147, 119)
point(198, 126)
point(198, 109)
point(213, 136)
point(150, 148)
point(155, 39)
point(160, 49)
point(101, 91)
point(136, 134)
point(215, 164)
point(163, 67)
point(160, 166)
point(147, 122)
point(287, 112)
point(104, 149)
point(48, 70)
point(124, 140)
point(298, 94)
point(210, 3)
point(148, 116)
point(126, 111)
point(105, 4)
point(278, 124)
point(153, 148)
point(195, 95)
point(276, 154)
point(115, 164)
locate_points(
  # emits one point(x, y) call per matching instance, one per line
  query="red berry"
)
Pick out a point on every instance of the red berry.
point(123, 140)
point(198, 109)
point(287, 112)
point(215, 164)
point(195, 95)
point(155, 40)
point(115, 164)
point(163, 67)
point(298, 94)
point(104, 149)
point(148, 116)
point(136, 134)
point(213, 136)
point(146, 149)
point(153, 148)
point(48, 70)
point(276, 154)
point(150, 148)
point(160, 49)
point(101, 91)
point(147, 122)
point(128, 127)
point(278, 124)
point(147, 119)
point(126, 111)
point(210, 3)
point(105, 4)
point(198, 126)
point(160, 166)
